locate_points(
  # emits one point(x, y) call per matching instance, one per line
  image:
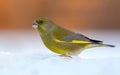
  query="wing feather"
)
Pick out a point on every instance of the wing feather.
point(67, 36)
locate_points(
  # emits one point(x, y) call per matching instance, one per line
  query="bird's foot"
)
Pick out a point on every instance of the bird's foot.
point(66, 56)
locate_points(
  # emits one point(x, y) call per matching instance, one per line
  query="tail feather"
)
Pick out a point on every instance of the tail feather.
point(99, 45)
point(107, 45)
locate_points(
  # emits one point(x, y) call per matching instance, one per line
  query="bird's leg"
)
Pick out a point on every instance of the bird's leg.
point(66, 55)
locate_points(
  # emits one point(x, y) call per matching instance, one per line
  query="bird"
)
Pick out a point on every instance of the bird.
point(63, 41)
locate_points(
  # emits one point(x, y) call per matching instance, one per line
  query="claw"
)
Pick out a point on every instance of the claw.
point(65, 55)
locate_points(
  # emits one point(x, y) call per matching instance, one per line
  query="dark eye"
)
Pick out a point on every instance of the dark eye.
point(40, 22)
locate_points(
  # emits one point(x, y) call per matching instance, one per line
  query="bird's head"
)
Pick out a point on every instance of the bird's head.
point(43, 24)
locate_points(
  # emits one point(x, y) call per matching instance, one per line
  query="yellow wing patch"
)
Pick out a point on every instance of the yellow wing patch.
point(80, 41)
point(60, 41)
point(73, 41)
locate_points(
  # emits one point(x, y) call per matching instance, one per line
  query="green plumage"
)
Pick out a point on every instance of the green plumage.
point(63, 41)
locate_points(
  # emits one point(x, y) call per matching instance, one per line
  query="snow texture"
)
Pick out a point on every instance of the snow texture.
point(23, 53)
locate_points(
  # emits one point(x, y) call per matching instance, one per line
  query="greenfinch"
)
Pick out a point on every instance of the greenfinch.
point(63, 41)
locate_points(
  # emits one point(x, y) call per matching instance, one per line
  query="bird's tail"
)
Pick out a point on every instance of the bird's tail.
point(99, 45)
point(107, 45)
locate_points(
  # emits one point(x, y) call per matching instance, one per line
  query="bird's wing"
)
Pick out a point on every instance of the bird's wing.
point(76, 38)
point(79, 37)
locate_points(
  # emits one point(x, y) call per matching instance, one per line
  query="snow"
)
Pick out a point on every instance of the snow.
point(23, 53)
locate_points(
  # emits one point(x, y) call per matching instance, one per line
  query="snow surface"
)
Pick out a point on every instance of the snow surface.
point(23, 53)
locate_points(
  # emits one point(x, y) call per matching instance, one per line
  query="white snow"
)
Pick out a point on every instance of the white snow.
point(23, 53)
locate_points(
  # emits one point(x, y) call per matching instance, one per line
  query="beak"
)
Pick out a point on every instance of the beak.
point(34, 25)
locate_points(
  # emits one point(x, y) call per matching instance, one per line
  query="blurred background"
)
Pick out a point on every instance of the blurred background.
point(22, 52)
point(75, 14)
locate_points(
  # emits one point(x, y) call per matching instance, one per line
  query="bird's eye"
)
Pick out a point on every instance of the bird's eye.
point(40, 22)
